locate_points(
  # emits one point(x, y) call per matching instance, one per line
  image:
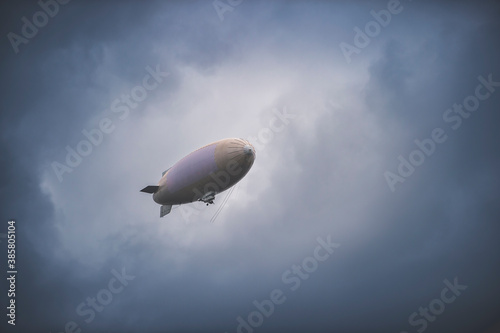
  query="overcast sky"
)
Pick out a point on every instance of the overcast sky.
point(376, 131)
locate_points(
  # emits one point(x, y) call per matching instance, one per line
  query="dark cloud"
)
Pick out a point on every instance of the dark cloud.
point(321, 176)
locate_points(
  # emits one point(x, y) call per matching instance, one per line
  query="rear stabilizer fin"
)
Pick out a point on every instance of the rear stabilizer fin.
point(164, 172)
point(165, 209)
point(150, 189)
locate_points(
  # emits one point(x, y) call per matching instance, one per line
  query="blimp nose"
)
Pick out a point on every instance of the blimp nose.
point(248, 150)
point(241, 151)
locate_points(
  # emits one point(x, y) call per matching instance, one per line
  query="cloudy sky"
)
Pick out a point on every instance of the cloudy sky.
point(376, 130)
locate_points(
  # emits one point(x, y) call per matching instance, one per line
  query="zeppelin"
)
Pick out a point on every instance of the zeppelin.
point(202, 174)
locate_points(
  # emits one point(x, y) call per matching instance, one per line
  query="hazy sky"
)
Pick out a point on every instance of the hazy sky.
point(372, 206)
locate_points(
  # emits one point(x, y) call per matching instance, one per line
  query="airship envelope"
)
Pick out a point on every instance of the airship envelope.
point(202, 174)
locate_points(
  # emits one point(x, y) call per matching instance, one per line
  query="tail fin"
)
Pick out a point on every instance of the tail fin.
point(150, 189)
point(165, 209)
